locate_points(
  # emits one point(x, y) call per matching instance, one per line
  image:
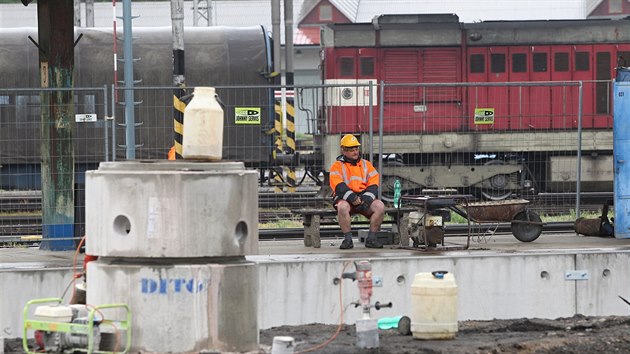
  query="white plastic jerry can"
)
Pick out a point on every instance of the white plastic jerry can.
point(203, 126)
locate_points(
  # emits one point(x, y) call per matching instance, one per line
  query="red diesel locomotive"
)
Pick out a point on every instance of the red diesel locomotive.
point(489, 107)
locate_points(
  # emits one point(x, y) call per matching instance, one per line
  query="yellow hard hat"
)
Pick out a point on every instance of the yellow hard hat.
point(349, 140)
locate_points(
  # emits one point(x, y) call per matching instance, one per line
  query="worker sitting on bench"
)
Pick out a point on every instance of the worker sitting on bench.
point(354, 182)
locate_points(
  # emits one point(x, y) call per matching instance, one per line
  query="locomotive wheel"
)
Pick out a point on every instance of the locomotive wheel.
point(523, 228)
point(499, 184)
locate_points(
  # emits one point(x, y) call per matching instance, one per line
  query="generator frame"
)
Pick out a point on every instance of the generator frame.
point(76, 328)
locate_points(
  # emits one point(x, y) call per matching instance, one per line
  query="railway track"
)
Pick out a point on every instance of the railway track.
point(19, 211)
point(21, 201)
point(28, 234)
point(451, 230)
point(28, 201)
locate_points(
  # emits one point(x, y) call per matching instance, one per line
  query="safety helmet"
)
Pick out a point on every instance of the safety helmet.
point(349, 140)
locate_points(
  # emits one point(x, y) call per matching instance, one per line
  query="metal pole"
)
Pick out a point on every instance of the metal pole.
point(579, 153)
point(77, 13)
point(371, 115)
point(289, 102)
point(113, 120)
point(130, 122)
point(89, 13)
point(288, 41)
point(275, 32)
point(195, 12)
point(177, 22)
point(105, 117)
point(209, 12)
point(380, 139)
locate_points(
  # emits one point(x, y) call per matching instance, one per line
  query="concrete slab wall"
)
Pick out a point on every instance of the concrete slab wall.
point(297, 290)
point(490, 286)
point(17, 286)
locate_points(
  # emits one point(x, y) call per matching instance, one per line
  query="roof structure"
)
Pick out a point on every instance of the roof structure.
point(306, 12)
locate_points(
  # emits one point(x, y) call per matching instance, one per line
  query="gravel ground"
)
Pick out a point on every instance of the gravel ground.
point(578, 334)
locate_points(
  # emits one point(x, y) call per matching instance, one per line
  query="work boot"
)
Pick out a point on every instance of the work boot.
point(346, 244)
point(373, 242)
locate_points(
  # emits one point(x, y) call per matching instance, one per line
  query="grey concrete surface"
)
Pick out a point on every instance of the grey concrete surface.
point(498, 277)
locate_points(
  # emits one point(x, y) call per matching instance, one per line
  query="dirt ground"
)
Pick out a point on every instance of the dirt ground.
point(578, 334)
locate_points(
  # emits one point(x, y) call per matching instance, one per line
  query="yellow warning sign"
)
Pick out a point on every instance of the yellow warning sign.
point(247, 115)
point(484, 115)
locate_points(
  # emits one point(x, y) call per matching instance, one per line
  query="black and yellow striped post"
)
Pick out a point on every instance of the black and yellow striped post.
point(290, 121)
point(179, 80)
point(277, 179)
point(178, 124)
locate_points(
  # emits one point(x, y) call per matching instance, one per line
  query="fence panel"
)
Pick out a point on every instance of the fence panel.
point(491, 140)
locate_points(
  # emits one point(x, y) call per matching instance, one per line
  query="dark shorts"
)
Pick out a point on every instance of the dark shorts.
point(354, 210)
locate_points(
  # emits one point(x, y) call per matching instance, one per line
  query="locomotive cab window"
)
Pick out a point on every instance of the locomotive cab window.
point(497, 63)
point(581, 61)
point(540, 62)
point(367, 66)
point(602, 75)
point(477, 64)
point(561, 61)
point(519, 63)
point(346, 67)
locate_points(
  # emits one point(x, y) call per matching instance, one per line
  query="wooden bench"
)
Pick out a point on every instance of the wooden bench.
point(312, 219)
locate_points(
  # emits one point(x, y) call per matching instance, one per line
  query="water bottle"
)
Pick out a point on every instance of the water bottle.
point(397, 193)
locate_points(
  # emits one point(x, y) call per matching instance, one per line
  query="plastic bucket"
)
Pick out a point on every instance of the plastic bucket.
point(283, 345)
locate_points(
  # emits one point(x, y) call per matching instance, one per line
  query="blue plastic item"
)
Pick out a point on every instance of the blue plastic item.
point(439, 274)
point(388, 322)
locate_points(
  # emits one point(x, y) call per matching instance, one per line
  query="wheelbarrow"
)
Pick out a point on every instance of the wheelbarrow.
point(526, 225)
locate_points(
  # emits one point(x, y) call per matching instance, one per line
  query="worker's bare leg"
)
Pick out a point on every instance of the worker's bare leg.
point(343, 216)
point(377, 208)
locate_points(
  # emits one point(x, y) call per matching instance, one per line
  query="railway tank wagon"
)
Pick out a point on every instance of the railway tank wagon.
point(440, 75)
point(215, 56)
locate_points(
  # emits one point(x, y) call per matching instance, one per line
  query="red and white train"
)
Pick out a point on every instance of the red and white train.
point(490, 107)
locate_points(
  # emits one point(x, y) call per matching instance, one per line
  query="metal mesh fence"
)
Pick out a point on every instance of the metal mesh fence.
point(490, 140)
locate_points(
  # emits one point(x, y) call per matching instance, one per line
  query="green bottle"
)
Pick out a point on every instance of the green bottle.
point(397, 193)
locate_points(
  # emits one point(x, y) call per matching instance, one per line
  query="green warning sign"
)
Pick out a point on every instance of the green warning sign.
point(484, 115)
point(247, 115)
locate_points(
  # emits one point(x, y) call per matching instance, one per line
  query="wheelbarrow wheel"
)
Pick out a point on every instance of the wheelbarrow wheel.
point(526, 226)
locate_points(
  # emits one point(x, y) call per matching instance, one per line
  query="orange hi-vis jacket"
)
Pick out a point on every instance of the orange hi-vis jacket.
point(349, 180)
